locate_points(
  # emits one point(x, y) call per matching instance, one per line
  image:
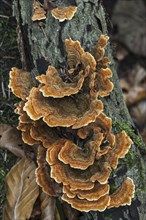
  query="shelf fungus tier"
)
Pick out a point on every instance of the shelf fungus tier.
point(43, 179)
point(64, 13)
point(20, 83)
point(39, 12)
point(63, 117)
point(84, 171)
point(77, 111)
point(53, 86)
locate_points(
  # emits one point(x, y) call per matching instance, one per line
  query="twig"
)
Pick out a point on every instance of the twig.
point(4, 16)
point(8, 57)
point(7, 3)
point(3, 90)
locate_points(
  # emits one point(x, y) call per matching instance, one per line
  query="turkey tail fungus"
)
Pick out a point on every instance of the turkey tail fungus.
point(64, 119)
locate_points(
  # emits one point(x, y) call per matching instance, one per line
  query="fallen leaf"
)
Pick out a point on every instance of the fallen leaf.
point(57, 216)
point(138, 114)
point(135, 95)
point(129, 19)
point(10, 139)
point(22, 191)
point(48, 206)
point(71, 214)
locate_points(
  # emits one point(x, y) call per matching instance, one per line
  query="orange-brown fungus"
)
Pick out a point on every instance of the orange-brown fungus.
point(23, 118)
point(64, 116)
point(39, 12)
point(91, 195)
point(42, 173)
point(44, 134)
point(122, 146)
point(20, 83)
point(26, 137)
point(53, 86)
point(34, 132)
point(67, 111)
point(102, 84)
point(99, 50)
point(76, 55)
point(124, 194)
point(86, 206)
point(77, 158)
point(64, 13)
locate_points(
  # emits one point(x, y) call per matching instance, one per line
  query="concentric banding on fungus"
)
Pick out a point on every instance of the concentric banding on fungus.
point(20, 83)
point(85, 205)
point(91, 195)
point(53, 86)
point(102, 85)
point(76, 55)
point(26, 137)
point(76, 157)
point(64, 13)
point(23, 118)
point(99, 50)
point(42, 174)
point(123, 195)
point(63, 112)
point(121, 148)
point(62, 173)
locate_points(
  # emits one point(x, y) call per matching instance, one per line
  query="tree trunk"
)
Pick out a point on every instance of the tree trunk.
point(42, 44)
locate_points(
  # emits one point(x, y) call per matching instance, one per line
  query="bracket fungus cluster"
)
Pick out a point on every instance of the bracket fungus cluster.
point(63, 116)
point(61, 13)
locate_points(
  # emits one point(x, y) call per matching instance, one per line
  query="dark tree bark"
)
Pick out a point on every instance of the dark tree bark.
point(42, 44)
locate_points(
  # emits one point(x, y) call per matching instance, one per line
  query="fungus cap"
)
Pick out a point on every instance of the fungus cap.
point(76, 157)
point(26, 137)
point(102, 85)
point(64, 174)
point(85, 205)
point(76, 55)
point(42, 173)
point(64, 13)
point(53, 86)
point(121, 148)
point(20, 83)
point(91, 195)
point(63, 112)
point(98, 50)
point(44, 134)
point(23, 118)
point(39, 12)
point(123, 195)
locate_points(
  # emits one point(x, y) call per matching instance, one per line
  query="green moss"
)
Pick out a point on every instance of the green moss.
point(133, 158)
point(129, 160)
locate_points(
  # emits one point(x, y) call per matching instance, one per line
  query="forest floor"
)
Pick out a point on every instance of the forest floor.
point(129, 57)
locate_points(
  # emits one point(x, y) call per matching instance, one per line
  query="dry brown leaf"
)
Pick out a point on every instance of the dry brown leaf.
point(57, 216)
point(129, 17)
point(10, 139)
point(22, 191)
point(48, 207)
point(70, 213)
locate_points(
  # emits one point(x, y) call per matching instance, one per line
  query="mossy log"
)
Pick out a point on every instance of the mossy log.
point(42, 43)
